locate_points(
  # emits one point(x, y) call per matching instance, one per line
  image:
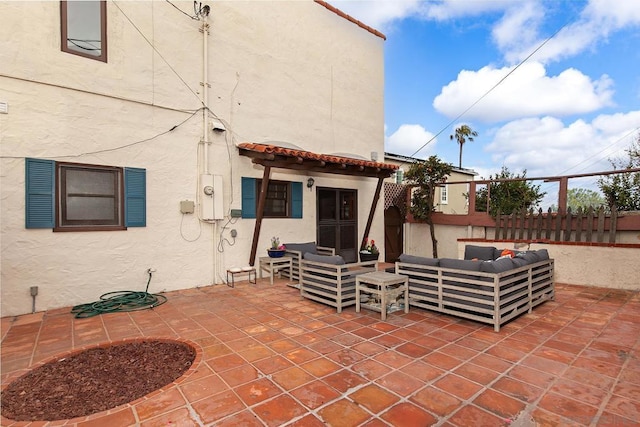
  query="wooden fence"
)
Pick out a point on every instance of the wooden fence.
point(587, 225)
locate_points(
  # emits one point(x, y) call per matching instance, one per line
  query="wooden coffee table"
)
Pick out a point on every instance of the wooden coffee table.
point(387, 286)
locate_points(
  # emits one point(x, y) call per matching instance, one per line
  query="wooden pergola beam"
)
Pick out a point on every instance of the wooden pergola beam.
point(374, 204)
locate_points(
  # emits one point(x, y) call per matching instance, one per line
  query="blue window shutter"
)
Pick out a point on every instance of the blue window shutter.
point(40, 193)
point(296, 200)
point(135, 195)
point(248, 197)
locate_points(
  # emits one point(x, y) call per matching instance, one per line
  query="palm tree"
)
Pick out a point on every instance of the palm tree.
point(463, 134)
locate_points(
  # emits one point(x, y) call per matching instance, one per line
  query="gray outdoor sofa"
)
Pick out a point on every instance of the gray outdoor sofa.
point(297, 250)
point(328, 280)
point(482, 287)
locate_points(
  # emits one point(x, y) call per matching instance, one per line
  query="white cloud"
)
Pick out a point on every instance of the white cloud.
point(381, 14)
point(408, 139)
point(546, 146)
point(526, 92)
point(449, 9)
point(378, 14)
point(617, 14)
point(518, 27)
point(518, 33)
point(597, 20)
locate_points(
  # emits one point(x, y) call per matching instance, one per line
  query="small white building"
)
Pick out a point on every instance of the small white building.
point(134, 137)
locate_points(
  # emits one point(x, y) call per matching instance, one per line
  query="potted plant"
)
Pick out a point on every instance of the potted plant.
point(276, 250)
point(369, 251)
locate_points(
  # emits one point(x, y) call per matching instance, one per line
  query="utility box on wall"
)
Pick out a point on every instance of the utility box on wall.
point(211, 197)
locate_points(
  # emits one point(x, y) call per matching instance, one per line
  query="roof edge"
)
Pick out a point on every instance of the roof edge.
point(351, 18)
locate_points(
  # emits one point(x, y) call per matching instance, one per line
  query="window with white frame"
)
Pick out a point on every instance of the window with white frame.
point(444, 194)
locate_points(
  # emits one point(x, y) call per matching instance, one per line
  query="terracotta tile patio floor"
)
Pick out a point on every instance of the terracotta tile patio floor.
point(266, 357)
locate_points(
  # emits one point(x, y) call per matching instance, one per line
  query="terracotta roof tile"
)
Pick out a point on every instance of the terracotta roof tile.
point(351, 18)
point(329, 158)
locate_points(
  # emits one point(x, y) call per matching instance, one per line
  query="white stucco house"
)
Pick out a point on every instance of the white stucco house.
point(135, 136)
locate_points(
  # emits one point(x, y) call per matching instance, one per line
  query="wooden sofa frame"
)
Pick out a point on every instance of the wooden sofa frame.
point(493, 298)
point(330, 284)
point(296, 256)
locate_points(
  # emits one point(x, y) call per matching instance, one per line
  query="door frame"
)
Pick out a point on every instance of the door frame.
point(349, 254)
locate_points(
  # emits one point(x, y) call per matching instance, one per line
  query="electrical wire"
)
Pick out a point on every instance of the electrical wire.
point(114, 148)
point(159, 54)
point(120, 301)
point(182, 233)
point(221, 239)
point(183, 12)
point(490, 89)
point(93, 47)
point(593, 182)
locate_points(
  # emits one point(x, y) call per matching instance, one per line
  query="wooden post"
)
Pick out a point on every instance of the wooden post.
point(562, 194)
point(472, 197)
point(613, 225)
point(259, 214)
point(374, 204)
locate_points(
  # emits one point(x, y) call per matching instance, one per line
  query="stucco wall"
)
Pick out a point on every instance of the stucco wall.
point(285, 71)
point(588, 265)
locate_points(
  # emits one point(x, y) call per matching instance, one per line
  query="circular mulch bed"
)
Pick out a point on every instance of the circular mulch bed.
point(95, 380)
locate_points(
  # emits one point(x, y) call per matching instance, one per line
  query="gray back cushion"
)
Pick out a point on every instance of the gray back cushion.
point(484, 253)
point(518, 262)
point(543, 254)
point(530, 257)
point(326, 259)
point(414, 259)
point(497, 266)
point(309, 247)
point(460, 264)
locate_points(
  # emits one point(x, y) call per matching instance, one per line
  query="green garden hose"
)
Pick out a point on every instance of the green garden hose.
point(120, 301)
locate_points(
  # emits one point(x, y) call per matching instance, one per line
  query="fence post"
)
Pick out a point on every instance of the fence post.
point(613, 225)
point(601, 224)
point(539, 224)
point(589, 224)
point(579, 218)
point(547, 233)
point(567, 225)
point(558, 226)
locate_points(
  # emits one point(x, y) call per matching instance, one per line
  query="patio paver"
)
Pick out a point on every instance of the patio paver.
point(269, 358)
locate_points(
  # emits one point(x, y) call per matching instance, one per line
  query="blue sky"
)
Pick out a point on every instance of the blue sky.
point(565, 110)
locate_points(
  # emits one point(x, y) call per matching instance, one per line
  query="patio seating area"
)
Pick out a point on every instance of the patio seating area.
point(267, 357)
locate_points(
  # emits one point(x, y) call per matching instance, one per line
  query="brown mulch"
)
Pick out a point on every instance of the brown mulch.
point(95, 380)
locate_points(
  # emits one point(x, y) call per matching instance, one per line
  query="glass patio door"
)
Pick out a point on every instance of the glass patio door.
point(338, 221)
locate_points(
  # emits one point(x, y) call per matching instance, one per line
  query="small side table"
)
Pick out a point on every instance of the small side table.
point(271, 265)
point(240, 271)
point(387, 286)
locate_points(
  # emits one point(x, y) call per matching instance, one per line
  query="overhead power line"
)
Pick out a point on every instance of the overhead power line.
point(491, 89)
point(158, 52)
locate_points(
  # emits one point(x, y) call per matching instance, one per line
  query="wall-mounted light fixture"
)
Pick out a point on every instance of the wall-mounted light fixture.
point(310, 183)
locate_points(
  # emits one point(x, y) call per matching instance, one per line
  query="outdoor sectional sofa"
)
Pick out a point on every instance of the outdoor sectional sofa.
point(297, 250)
point(484, 287)
point(328, 280)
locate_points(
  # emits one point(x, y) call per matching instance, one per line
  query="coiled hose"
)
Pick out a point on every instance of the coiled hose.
point(120, 301)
